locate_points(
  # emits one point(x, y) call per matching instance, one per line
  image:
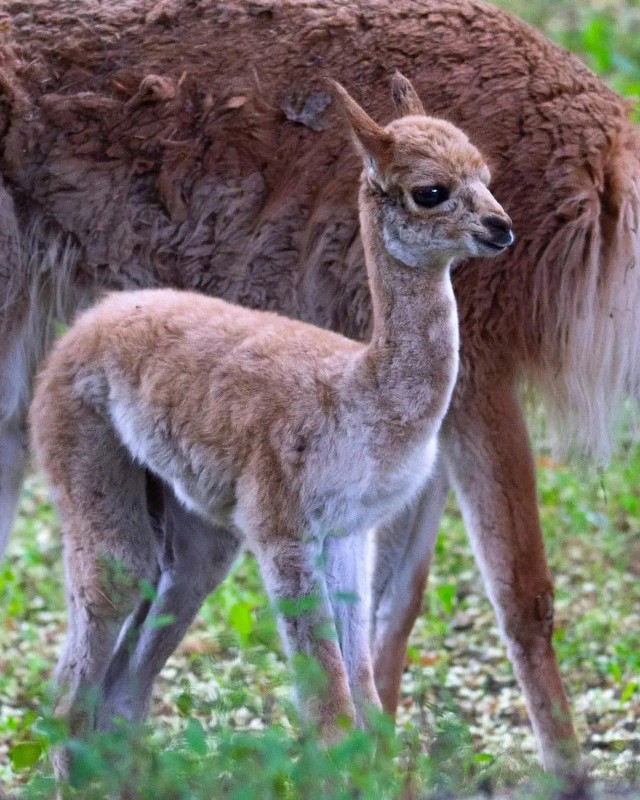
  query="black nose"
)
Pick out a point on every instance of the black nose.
point(499, 230)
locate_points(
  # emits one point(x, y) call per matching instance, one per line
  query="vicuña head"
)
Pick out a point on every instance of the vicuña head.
point(424, 184)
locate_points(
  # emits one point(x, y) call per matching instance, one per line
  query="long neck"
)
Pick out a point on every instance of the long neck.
point(408, 370)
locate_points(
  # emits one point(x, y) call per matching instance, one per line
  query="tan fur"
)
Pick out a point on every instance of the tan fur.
point(150, 156)
point(289, 438)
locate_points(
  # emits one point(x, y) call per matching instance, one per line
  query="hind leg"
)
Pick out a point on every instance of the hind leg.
point(13, 461)
point(487, 451)
point(196, 558)
point(110, 547)
point(16, 372)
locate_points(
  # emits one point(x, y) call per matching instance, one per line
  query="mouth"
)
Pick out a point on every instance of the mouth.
point(493, 247)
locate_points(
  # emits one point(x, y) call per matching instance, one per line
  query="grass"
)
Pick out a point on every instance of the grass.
point(462, 716)
point(223, 725)
point(604, 33)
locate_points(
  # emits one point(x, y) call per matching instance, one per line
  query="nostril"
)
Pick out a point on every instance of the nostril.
point(499, 229)
point(496, 224)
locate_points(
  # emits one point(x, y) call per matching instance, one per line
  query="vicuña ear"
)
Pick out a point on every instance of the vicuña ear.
point(372, 141)
point(405, 98)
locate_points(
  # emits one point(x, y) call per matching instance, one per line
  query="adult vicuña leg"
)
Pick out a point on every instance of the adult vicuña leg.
point(195, 559)
point(404, 548)
point(486, 448)
point(13, 460)
point(16, 368)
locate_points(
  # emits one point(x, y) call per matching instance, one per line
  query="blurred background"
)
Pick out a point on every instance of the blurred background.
point(604, 33)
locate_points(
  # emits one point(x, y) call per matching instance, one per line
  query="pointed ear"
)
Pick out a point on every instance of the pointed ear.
point(372, 141)
point(405, 97)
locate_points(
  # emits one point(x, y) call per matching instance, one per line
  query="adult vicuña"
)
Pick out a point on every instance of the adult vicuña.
point(173, 428)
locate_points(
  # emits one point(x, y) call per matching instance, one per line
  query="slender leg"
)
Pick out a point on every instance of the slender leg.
point(348, 574)
point(110, 546)
point(16, 372)
point(196, 558)
point(292, 573)
point(404, 548)
point(20, 342)
point(13, 461)
point(486, 447)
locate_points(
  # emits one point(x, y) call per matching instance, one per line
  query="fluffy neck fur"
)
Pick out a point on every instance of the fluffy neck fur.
point(411, 362)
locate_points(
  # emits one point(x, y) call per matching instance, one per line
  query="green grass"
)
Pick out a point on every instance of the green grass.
point(223, 725)
point(227, 690)
point(604, 33)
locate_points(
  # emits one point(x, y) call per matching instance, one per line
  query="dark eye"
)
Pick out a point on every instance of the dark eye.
point(430, 196)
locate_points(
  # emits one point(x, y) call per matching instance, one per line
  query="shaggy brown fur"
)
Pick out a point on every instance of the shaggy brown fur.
point(194, 144)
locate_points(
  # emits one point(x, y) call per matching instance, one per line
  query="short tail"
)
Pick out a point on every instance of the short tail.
point(593, 363)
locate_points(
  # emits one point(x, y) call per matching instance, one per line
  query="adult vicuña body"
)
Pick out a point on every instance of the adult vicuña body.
point(173, 427)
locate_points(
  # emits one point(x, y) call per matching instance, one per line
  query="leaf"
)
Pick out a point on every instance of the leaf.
point(326, 630)
point(596, 38)
point(298, 606)
point(241, 620)
point(345, 597)
point(147, 590)
point(447, 594)
point(160, 621)
point(196, 738)
point(25, 754)
point(53, 729)
point(185, 703)
point(613, 668)
point(629, 690)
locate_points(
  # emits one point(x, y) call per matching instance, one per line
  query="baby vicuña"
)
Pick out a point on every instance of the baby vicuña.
point(174, 429)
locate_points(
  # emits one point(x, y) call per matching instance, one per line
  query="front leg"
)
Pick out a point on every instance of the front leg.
point(404, 547)
point(348, 571)
point(486, 449)
point(294, 580)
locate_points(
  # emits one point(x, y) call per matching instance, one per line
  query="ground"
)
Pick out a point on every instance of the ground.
point(230, 673)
